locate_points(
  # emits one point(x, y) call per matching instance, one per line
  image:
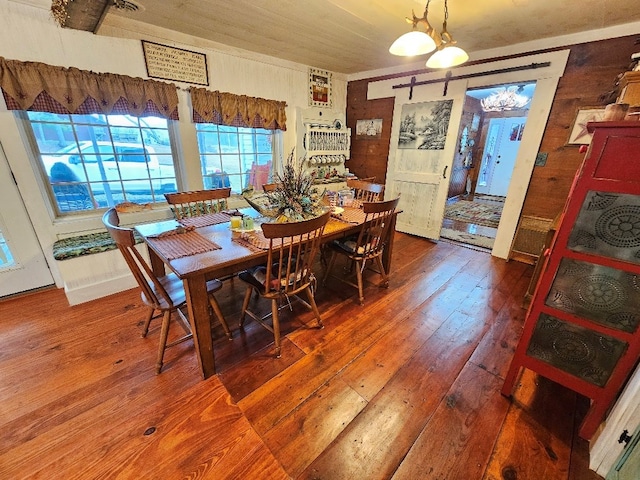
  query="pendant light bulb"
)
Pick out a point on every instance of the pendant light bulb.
point(413, 43)
point(447, 57)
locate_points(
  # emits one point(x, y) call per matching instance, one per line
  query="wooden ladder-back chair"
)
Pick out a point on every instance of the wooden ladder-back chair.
point(164, 293)
point(198, 202)
point(288, 271)
point(368, 245)
point(366, 191)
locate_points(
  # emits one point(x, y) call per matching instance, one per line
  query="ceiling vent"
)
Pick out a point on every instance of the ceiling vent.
point(126, 5)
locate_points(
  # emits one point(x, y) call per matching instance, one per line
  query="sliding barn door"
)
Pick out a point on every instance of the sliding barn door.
point(423, 141)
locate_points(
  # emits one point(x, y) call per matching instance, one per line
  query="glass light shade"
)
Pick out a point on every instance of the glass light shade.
point(449, 56)
point(413, 43)
point(504, 99)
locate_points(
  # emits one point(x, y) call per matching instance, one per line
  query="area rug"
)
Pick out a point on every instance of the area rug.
point(487, 214)
point(464, 238)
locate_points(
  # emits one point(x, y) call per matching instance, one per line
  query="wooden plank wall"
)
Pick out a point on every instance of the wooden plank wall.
point(591, 72)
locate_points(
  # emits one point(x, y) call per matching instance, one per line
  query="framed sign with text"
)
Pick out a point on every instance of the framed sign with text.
point(170, 63)
point(319, 88)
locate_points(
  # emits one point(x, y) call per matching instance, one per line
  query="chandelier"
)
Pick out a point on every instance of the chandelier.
point(417, 42)
point(508, 98)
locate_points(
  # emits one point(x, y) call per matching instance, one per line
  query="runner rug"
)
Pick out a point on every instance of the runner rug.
point(487, 214)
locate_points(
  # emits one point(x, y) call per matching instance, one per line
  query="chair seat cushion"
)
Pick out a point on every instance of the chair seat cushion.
point(347, 245)
point(256, 277)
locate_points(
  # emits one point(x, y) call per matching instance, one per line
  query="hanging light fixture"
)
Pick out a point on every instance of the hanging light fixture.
point(448, 54)
point(505, 99)
point(415, 42)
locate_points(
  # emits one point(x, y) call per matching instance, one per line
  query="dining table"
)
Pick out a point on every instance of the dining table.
point(206, 248)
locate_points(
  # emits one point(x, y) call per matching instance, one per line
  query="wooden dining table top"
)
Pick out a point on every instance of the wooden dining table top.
point(232, 256)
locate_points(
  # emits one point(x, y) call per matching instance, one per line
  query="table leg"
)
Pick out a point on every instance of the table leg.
point(388, 248)
point(198, 308)
point(157, 265)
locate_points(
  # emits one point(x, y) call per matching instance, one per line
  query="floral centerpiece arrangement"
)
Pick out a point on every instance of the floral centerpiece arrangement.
point(295, 199)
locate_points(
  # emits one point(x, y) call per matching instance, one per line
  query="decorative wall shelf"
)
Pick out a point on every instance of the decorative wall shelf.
point(326, 144)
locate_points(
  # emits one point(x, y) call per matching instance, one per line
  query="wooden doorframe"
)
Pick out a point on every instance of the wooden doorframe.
point(546, 85)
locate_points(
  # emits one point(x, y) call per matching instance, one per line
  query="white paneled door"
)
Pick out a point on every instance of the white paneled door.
point(22, 263)
point(421, 154)
point(499, 155)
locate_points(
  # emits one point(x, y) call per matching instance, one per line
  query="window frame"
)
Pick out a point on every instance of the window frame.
point(276, 140)
point(42, 177)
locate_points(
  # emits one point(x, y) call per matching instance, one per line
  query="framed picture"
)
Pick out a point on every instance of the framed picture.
point(319, 88)
point(424, 125)
point(369, 129)
point(579, 134)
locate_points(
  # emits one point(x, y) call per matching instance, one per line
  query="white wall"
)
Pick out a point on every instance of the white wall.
point(28, 33)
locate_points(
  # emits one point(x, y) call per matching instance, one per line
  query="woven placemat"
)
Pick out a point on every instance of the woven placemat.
point(182, 245)
point(351, 215)
point(248, 242)
point(256, 239)
point(205, 220)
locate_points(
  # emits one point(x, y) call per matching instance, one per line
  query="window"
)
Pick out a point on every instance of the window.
point(235, 157)
point(96, 161)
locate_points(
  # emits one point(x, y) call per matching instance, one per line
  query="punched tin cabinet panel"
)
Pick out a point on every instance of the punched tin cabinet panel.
point(578, 351)
point(608, 225)
point(604, 295)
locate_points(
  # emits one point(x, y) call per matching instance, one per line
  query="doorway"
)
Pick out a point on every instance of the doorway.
point(491, 130)
point(22, 264)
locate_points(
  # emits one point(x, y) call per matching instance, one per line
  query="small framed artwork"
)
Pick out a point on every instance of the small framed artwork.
point(369, 129)
point(579, 134)
point(319, 88)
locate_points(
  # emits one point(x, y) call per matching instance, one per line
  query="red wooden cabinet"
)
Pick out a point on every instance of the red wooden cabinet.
point(582, 326)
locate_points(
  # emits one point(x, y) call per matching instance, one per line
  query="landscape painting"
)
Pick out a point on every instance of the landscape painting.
point(424, 125)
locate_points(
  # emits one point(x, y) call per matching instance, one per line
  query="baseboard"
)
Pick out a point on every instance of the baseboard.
point(90, 277)
point(86, 293)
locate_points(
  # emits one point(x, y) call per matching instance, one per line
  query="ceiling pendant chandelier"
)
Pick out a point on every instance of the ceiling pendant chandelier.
point(417, 42)
point(505, 99)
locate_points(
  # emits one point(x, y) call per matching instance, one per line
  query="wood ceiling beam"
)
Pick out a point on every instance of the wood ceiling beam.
point(84, 15)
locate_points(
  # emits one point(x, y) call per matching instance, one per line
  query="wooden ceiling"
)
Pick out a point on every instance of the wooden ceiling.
point(349, 36)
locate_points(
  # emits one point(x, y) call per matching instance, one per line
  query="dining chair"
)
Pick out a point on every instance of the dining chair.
point(198, 202)
point(288, 272)
point(366, 191)
point(368, 245)
point(163, 293)
point(270, 187)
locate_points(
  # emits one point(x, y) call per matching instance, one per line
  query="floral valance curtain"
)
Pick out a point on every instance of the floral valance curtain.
point(40, 87)
point(224, 108)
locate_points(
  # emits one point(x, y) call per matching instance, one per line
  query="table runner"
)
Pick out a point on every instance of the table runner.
point(182, 245)
point(205, 220)
point(256, 240)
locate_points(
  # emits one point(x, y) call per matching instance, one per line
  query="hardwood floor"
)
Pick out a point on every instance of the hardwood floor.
point(405, 387)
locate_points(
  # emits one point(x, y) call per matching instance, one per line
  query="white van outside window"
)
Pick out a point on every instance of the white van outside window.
point(95, 161)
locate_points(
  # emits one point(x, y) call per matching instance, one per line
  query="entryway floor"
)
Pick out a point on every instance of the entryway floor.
point(469, 233)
